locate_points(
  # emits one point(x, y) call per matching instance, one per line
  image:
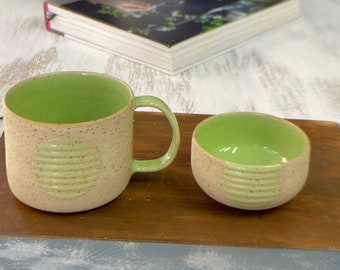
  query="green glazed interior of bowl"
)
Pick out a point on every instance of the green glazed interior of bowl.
point(68, 97)
point(251, 139)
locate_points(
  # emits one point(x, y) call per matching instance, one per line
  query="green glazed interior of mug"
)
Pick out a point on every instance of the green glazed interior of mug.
point(251, 139)
point(68, 97)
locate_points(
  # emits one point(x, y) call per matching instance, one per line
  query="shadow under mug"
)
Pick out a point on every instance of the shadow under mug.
point(69, 140)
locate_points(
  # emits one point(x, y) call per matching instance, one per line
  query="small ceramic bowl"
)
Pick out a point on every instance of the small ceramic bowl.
point(250, 161)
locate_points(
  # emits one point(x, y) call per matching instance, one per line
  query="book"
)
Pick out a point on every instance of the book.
point(168, 35)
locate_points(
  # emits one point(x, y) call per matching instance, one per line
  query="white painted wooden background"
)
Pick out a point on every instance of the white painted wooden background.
point(292, 72)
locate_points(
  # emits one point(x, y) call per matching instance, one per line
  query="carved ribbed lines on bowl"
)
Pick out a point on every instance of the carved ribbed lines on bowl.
point(66, 168)
point(251, 186)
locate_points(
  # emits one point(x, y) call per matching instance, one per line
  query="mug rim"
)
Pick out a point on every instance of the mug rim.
point(82, 73)
point(305, 150)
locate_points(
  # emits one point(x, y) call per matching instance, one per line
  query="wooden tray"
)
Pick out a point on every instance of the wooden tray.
point(168, 206)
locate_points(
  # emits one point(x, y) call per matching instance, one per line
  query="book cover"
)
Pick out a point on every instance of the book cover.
point(172, 24)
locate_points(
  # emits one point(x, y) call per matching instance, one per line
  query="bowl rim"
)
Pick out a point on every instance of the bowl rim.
point(306, 150)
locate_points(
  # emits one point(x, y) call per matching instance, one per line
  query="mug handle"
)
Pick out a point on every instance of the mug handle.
point(157, 164)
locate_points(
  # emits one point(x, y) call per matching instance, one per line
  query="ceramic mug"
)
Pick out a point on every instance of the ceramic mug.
point(250, 161)
point(69, 140)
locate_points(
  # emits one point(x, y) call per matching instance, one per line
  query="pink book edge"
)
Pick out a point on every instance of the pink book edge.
point(47, 18)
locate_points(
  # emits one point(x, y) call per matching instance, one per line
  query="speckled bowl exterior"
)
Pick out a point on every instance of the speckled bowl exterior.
point(98, 155)
point(249, 187)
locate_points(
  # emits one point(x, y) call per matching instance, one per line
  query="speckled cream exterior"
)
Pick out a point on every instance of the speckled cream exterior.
point(110, 139)
point(254, 187)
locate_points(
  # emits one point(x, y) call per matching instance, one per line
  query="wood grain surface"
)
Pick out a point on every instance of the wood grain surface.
point(168, 206)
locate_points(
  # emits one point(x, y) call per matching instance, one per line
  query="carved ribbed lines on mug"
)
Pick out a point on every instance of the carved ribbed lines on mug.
point(66, 168)
point(251, 186)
